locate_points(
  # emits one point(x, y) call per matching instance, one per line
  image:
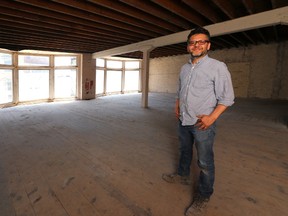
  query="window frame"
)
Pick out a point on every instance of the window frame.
point(15, 67)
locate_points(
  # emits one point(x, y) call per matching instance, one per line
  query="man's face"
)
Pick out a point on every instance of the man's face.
point(198, 45)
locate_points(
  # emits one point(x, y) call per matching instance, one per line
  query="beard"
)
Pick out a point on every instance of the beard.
point(198, 55)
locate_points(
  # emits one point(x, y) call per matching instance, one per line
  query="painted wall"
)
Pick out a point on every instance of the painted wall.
point(86, 80)
point(257, 72)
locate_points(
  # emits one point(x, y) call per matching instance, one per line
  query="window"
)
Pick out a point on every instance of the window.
point(30, 60)
point(65, 77)
point(33, 84)
point(99, 81)
point(131, 80)
point(65, 83)
point(118, 75)
point(100, 62)
point(132, 65)
point(114, 64)
point(6, 89)
point(65, 61)
point(39, 75)
point(113, 81)
point(5, 59)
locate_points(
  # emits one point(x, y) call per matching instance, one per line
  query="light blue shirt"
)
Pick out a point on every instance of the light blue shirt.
point(202, 86)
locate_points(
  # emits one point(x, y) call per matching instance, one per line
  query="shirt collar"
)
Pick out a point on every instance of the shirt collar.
point(202, 59)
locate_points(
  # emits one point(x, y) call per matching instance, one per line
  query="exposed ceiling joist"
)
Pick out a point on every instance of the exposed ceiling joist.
point(107, 24)
point(268, 18)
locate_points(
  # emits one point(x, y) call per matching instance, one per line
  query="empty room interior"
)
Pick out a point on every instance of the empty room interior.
point(87, 106)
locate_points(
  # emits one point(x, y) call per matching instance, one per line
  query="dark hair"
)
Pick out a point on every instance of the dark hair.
point(199, 30)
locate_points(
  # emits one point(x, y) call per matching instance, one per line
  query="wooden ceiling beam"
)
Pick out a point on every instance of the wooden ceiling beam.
point(53, 44)
point(278, 3)
point(227, 8)
point(249, 5)
point(174, 7)
point(36, 26)
point(60, 8)
point(201, 7)
point(96, 10)
point(264, 19)
point(36, 34)
point(159, 12)
point(14, 14)
point(72, 19)
point(133, 14)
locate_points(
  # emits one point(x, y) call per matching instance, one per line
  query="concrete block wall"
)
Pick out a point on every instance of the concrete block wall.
point(257, 71)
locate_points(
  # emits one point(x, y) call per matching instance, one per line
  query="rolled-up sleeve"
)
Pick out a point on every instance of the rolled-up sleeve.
point(223, 86)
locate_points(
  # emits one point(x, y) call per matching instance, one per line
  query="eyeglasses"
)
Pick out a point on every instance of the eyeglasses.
point(200, 42)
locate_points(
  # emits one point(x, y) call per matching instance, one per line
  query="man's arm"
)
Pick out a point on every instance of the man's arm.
point(206, 121)
point(177, 108)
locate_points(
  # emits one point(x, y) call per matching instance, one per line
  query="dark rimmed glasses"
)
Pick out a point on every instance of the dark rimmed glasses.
point(200, 42)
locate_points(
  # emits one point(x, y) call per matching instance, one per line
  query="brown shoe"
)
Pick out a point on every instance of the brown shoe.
point(175, 178)
point(198, 206)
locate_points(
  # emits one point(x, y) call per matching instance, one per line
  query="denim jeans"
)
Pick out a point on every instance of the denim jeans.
point(203, 140)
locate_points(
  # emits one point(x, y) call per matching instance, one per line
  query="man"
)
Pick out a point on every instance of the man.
point(205, 91)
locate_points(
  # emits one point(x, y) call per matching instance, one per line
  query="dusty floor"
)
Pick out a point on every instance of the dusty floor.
point(106, 156)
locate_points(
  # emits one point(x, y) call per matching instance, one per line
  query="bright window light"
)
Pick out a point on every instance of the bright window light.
point(131, 80)
point(112, 64)
point(100, 62)
point(5, 59)
point(99, 81)
point(132, 64)
point(65, 83)
point(114, 81)
point(31, 60)
point(33, 84)
point(6, 86)
point(65, 61)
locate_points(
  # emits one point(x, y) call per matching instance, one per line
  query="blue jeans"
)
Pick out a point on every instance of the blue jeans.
point(203, 139)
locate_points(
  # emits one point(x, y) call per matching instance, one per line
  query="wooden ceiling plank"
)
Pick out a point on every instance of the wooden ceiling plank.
point(53, 21)
point(35, 34)
point(134, 14)
point(109, 14)
point(227, 8)
point(254, 21)
point(279, 3)
point(93, 45)
point(36, 26)
point(160, 13)
point(249, 5)
point(44, 42)
point(204, 9)
point(72, 19)
point(60, 8)
point(174, 7)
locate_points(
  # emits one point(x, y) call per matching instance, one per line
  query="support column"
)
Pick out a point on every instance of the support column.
point(145, 76)
point(86, 80)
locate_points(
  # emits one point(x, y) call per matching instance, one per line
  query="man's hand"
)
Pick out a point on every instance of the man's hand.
point(204, 121)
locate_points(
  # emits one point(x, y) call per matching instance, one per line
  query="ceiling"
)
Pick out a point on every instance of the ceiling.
point(81, 26)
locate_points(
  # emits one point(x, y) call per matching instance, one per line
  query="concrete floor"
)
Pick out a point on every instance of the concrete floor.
point(105, 157)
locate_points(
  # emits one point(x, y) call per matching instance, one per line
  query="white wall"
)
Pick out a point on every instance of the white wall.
point(257, 71)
